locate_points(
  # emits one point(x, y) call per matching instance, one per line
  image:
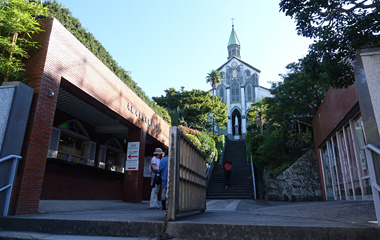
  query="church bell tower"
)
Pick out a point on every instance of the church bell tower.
point(233, 45)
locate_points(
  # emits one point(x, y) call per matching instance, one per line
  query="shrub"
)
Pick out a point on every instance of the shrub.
point(194, 140)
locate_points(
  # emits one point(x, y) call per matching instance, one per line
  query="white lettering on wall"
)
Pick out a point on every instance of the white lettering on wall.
point(142, 117)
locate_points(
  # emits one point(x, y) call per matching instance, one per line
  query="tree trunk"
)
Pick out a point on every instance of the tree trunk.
point(14, 40)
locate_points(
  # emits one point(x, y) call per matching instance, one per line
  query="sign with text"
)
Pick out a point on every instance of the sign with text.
point(132, 161)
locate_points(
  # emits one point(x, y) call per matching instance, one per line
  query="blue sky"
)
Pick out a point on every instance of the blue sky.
point(174, 43)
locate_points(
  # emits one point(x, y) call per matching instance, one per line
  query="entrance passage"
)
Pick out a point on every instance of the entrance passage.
point(241, 178)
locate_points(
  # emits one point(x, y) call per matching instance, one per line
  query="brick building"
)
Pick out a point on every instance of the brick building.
point(339, 138)
point(81, 120)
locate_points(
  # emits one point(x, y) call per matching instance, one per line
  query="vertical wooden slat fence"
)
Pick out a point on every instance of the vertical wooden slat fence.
point(187, 176)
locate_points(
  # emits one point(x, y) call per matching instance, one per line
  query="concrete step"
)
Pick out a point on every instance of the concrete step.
point(185, 230)
point(223, 219)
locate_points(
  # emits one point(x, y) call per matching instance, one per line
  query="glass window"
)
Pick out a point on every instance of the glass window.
point(113, 159)
point(327, 173)
point(221, 94)
point(335, 180)
point(235, 96)
point(249, 92)
point(234, 73)
point(222, 75)
point(346, 175)
point(345, 169)
point(338, 163)
point(73, 142)
point(360, 142)
point(71, 148)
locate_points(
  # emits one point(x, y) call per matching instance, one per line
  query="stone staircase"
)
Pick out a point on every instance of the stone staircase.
point(241, 179)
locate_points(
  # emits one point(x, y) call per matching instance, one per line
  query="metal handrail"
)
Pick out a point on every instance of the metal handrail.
point(222, 155)
point(375, 187)
point(8, 187)
point(253, 179)
point(209, 169)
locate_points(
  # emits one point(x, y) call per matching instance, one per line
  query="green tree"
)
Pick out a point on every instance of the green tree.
point(298, 97)
point(340, 28)
point(17, 25)
point(257, 114)
point(213, 78)
point(288, 115)
point(193, 107)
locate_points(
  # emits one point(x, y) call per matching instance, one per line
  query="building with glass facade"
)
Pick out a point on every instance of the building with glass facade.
point(339, 138)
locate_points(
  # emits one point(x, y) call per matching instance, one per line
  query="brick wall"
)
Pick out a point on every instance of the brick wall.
point(335, 106)
point(62, 56)
point(69, 181)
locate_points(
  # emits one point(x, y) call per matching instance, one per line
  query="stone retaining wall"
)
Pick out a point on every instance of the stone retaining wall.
point(299, 182)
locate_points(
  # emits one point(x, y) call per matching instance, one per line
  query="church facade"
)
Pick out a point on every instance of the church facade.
point(239, 88)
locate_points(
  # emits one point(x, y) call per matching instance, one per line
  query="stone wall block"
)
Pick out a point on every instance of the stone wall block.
point(299, 182)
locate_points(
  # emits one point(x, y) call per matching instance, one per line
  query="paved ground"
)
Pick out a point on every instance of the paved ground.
point(339, 214)
point(348, 213)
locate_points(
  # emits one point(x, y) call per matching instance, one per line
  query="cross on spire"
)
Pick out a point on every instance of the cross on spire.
point(232, 19)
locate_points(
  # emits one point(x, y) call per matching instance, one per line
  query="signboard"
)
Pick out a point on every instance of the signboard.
point(132, 161)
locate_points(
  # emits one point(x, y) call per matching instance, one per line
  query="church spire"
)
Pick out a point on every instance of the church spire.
point(233, 44)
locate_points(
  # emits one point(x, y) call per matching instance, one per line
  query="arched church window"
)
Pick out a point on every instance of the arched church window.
point(235, 97)
point(234, 74)
point(255, 79)
point(247, 73)
point(221, 94)
point(249, 92)
point(222, 75)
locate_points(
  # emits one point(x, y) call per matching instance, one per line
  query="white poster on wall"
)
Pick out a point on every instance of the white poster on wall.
point(132, 161)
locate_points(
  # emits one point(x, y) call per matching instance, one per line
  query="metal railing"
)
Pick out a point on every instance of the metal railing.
point(210, 167)
point(187, 176)
point(8, 167)
point(369, 149)
point(253, 178)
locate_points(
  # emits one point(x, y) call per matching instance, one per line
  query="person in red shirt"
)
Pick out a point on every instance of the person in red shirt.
point(227, 173)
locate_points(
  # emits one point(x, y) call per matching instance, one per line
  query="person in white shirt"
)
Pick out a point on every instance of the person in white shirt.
point(155, 165)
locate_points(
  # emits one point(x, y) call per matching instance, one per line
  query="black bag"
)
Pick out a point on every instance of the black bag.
point(156, 179)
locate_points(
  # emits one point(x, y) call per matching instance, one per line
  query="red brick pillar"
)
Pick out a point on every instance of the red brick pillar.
point(30, 174)
point(133, 180)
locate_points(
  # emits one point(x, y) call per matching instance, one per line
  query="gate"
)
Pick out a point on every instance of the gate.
point(187, 176)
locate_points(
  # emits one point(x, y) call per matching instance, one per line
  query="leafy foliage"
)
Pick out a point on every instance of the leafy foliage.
point(17, 24)
point(192, 108)
point(257, 114)
point(219, 143)
point(187, 130)
point(213, 78)
point(73, 25)
point(286, 134)
point(298, 97)
point(208, 147)
point(340, 28)
point(194, 140)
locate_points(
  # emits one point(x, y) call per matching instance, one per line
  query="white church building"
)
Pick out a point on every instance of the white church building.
point(239, 88)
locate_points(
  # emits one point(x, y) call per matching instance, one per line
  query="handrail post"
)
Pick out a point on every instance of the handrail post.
point(375, 187)
point(8, 187)
point(253, 179)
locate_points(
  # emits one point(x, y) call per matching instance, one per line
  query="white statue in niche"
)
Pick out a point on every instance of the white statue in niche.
point(236, 125)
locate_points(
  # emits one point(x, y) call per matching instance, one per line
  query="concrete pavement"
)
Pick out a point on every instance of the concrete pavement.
point(230, 219)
